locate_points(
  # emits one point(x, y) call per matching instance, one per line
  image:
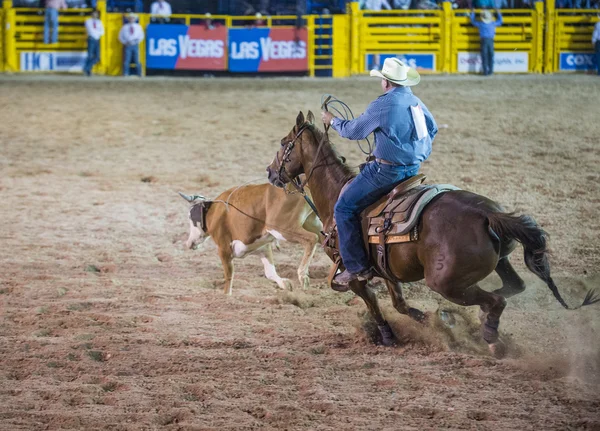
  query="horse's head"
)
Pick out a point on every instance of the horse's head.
point(288, 162)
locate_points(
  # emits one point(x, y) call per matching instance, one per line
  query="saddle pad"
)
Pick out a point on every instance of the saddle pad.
point(405, 212)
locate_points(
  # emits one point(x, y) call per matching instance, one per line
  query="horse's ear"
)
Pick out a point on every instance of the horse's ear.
point(310, 118)
point(300, 119)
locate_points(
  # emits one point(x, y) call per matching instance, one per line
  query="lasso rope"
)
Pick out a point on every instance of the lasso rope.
point(342, 110)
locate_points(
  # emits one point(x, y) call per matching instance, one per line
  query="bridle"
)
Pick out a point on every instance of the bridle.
point(282, 174)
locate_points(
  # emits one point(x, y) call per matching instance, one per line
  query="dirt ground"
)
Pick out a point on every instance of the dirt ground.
point(108, 323)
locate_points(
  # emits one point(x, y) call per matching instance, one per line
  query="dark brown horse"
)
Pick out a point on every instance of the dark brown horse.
point(463, 237)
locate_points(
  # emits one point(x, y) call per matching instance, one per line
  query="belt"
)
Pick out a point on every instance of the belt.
point(385, 162)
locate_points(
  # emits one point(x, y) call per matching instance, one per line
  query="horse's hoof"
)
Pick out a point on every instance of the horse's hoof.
point(498, 349)
point(305, 282)
point(417, 315)
point(490, 332)
point(286, 284)
point(388, 338)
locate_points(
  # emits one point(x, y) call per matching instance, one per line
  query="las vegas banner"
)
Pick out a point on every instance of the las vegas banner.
point(268, 50)
point(185, 47)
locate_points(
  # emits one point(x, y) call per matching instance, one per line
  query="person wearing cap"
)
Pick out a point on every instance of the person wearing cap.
point(130, 36)
point(404, 130)
point(161, 11)
point(95, 30)
point(487, 32)
point(596, 43)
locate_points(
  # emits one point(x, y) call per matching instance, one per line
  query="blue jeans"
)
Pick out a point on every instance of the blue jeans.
point(51, 19)
point(487, 55)
point(132, 53)
point(93, 51)
point(373, 182)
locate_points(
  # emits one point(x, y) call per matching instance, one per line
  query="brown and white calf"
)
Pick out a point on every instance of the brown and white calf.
point(249, 219)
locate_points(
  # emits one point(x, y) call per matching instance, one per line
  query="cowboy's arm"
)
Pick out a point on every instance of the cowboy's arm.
point(360, 127)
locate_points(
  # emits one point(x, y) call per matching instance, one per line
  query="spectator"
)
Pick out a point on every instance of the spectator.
point(596, 43)
point(130, 36)
point(260, 22)
point(51, 19)
point(374, 5)
point(161, 10)
point(208, 22)
point(95, 30)
point(487, 31)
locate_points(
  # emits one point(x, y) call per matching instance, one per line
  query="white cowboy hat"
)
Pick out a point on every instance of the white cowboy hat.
point(258, 15)
point(207, 15)
point(131, 15)
point(394, 70)
point(486, 17)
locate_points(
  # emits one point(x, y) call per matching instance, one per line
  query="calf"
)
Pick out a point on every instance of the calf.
point(249, 219)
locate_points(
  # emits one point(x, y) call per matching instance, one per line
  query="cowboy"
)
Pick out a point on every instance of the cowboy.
point(130, 36)
point(487, 31)
point(404, 130)
point(95, 30)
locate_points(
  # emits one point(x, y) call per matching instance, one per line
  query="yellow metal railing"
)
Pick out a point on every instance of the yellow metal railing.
point(338, 43)
point(2, 25)
point(573, 35)
point(521, 31)
point(397, 31)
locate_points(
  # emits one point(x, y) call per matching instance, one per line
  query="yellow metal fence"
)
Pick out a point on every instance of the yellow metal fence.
point(573, 40)
point(532, 40)
point(394, 32)
point(518, 41)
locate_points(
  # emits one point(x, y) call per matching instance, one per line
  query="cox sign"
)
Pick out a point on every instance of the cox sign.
point(576, 61)
point(186, 47)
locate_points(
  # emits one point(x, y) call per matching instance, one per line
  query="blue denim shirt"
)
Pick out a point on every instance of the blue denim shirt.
point(487, 30)
point(389, 118)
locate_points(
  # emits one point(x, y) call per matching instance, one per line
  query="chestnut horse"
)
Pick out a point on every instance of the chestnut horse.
point(463, 237)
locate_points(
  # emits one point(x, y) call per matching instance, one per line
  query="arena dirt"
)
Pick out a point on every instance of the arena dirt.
point(108, 323)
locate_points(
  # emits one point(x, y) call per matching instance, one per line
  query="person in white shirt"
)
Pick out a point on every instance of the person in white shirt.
point(596, 43)
point(161, 9)
point(130, 36)
point(95, 30)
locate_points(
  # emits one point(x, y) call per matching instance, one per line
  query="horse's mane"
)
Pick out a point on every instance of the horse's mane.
point(330, 153)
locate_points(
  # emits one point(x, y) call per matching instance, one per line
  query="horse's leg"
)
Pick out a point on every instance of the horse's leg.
point(512, 284)
point(309, 240)
point(227, 261)
point(400, 304)
point(491, 305)
point(266, 257)
point(360, 288)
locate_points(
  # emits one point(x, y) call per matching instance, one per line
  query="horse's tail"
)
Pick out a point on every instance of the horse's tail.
point(533, 238)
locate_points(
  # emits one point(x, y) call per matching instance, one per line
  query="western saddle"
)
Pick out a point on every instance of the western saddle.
point(392, 219)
